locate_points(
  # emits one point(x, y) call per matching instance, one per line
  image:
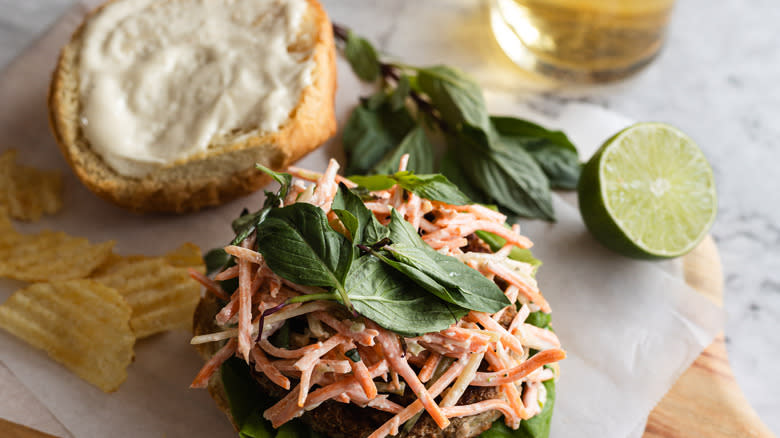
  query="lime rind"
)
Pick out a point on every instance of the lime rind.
point(649, 192)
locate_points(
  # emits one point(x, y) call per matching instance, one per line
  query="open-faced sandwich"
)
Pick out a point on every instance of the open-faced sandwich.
point(373, 306)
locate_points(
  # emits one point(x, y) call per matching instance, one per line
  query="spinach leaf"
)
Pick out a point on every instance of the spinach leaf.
point(556, 155)
point(247, 400)
point(420, 151)
point(539, 319)
point(496, 242)
point(435, 187)
point(535, 427)
point(299, 245)
point(511, 177)
point(388, 298)
point(465, 286)
point(362, 57)
point(371, 134)
point(456, 95)
point(363, 226)
point(216, 259)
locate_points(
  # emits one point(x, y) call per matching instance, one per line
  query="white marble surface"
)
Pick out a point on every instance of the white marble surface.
point(716, 79)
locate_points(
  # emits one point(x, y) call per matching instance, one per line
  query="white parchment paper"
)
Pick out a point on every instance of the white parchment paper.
point(630, 328)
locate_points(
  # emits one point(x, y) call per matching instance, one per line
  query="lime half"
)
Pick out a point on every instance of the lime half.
point(648, 192)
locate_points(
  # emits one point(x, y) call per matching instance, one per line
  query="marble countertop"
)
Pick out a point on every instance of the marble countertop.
point(715, 79)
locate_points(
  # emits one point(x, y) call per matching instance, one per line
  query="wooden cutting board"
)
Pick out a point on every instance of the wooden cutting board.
point(706, 401)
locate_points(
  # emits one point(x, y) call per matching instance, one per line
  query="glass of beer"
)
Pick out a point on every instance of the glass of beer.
point(583, 41)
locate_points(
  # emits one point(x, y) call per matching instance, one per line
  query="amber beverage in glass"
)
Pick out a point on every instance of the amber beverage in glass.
point(581, 40)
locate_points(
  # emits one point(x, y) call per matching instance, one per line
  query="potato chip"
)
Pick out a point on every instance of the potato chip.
point(28, 193)
point(162, 296)
point(7, 160)
point(81, 324)
point(48, 255)
point(188, 255)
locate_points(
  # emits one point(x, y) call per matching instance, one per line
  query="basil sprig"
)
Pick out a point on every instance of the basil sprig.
point(503, 160)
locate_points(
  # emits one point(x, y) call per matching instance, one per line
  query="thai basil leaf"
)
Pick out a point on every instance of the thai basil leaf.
point(510, 176)
point(299, 245)
point(465, 286)
point(373, 182)
point(554, 152)
point(496, 242)
point(216, 259)
point(386, 297)
point(369, 135)
point(513, 127)
point(451, 169)
point(537, 426)
point(363, 226)
point(435, 187)
point(539, 319)
point(247, 223)
point(417, 276)
point(456, 95)
point(397, 98)
point(362, 57)
point(420, 151)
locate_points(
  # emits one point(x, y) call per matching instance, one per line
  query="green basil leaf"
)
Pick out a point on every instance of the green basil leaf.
point(455, 95)
point(299, 245)
point(369, 135)
point(216, 259)
point(284, 180)
point(419, 277)
point(514, 127)
point(496, 242)
point(382, 295)
point(373, 182)
point(511, 177)
point(435, 187)
point(451, 169)
point(465, 286)
point(397, 98)
point(362, 57)
point(536, 427)
point(363, 226)
point(554, 152)
point(420, 151)
point(539, 319)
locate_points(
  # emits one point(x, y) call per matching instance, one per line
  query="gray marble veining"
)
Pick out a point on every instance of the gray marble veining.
point(716, 79)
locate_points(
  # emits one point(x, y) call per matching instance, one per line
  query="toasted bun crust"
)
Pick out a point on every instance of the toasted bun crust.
point(211, 178)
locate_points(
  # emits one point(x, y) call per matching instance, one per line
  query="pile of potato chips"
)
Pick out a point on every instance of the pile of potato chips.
point(87, 305)
point(27, 192)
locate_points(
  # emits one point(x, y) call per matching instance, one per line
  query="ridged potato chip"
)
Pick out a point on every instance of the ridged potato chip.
point(48, 255)
point(81, 324)
point(158, 289)
point(28, 193)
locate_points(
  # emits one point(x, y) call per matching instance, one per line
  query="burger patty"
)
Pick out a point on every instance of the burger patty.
point(346, 420)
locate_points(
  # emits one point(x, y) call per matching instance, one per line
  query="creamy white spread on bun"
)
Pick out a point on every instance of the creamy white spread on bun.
point(164, 81)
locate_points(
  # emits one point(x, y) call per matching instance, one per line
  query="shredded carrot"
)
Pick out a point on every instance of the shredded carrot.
point(227, 274)
point(264, 366)
point(516, 373)
point(245, 303)
point(361, 373)
point(511, 277)
point(224, 353)
point(430, 366)
point(208, 283)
